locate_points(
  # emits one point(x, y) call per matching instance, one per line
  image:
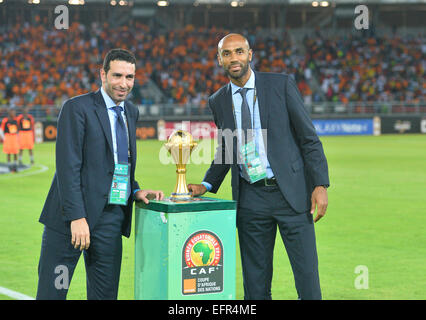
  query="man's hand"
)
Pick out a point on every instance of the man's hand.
point(146, 195)
point(319, 199)
point(197, 189)
point(80, 234)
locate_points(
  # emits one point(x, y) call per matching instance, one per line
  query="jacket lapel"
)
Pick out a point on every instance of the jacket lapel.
point(261, 91)
point(102, 113)
point(228, 112)
point(229, 121)
point(132, 130)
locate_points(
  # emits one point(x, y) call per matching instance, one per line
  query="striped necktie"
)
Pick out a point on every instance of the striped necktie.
point(245, 116)
point(121, 136)
point(246, 128)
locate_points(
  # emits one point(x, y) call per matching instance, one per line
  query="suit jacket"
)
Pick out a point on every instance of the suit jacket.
point(85, 164)
point(293, 148)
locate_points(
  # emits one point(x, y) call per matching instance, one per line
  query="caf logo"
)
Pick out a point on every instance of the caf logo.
point(202, 249)
point(202, 264)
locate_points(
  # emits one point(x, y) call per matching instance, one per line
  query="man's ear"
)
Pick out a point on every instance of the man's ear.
point(102, 74)
point(219, 60)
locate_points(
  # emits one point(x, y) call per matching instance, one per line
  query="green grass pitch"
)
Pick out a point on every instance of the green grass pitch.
point(376, 218)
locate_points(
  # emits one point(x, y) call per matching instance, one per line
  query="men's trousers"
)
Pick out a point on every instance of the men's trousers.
point(59, 258)
point(261, 209)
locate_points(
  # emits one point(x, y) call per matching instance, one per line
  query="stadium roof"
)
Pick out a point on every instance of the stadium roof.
point(224, 2)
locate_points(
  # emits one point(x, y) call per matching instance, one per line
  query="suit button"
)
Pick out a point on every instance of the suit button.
point(105, 196)
point(110, 173)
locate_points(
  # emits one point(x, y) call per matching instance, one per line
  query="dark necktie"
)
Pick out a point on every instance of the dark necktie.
point(245, 116)
point(121, 136)
point(245, 126)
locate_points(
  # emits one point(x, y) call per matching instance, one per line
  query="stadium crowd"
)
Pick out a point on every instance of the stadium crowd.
point(379, 69)
point(41, 66)
point(45, 66)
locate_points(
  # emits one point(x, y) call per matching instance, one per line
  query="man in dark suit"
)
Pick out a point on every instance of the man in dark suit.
point(281, 183)
point(84, 210)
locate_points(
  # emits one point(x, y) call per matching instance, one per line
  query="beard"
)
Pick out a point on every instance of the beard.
point(115, 96)
point(239, 74)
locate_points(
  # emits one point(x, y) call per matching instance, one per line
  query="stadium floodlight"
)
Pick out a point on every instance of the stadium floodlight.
point(324, 3)
point(162, 3)
point(234, 4)
point(33, 1)
point(315, 3)
point(113, 3)
point(76, 2)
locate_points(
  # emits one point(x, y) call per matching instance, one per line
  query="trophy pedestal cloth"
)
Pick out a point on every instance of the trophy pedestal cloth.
point(185, 251)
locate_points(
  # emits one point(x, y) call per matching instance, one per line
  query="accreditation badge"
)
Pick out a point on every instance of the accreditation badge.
point(252, 162)
point(120, 183)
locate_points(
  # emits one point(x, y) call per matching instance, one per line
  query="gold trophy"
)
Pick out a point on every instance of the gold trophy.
point(180, 146)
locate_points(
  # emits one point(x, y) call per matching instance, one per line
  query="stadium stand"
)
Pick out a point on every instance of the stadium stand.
point(45, 66)
point(41, 67)
point(370, 69)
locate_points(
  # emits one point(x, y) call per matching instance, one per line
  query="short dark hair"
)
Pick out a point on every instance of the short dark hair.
point(118, 54)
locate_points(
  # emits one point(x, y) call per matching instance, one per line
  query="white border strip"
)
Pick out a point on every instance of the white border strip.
point(14, 294)
point(42, 169)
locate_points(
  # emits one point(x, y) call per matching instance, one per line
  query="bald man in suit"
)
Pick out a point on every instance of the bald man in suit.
point(294, 178)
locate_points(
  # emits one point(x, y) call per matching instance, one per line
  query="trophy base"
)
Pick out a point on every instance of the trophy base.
point(180, 197)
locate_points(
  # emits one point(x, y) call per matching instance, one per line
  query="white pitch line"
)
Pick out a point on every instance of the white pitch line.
point(14, 294)
point(26, 174)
